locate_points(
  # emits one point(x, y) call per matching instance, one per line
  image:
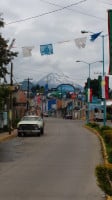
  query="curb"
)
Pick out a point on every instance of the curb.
point(109, 198)
point(7, 136)
point(103, 151)
point(102, 143)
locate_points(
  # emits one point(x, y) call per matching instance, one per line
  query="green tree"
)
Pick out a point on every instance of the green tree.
point(38, 89)
point(6, 55)
point(4, 94)
point(42, 89)
point(95, 85)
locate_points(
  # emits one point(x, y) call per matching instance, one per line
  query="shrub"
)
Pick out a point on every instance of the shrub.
point(108, 136)
point(104, 178)
point(109, 116)
point(103, 128)
point(94, 125)
point(110, 156)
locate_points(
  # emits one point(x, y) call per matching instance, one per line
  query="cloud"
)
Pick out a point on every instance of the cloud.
point(54, 28)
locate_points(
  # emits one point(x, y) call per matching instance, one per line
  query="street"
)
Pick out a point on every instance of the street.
point(57, 166)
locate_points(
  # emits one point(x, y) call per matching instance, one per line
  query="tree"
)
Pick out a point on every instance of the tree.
point(95, 86)
point(37, 89)
point(6, 55)
point(4, 94)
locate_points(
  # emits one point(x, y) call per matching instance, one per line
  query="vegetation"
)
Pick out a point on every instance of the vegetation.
point(104, 172)
point(6, 55)
point(104, 178)
point(96, 83)
point(93, 84)
point(4, 94)
point(37, 89)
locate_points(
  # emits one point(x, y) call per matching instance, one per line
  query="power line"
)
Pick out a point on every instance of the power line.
point(50, 12)
point(73, 9)
point(61, 6)
point(46, 13)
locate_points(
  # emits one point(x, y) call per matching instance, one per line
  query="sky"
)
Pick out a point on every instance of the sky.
point(58, 22)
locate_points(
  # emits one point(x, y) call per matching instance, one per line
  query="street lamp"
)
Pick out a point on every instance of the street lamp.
point(88, 101)
point(89, 64)
point(103, 61)
point(83, 31)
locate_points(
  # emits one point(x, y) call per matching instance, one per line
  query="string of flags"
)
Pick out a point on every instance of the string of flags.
point(81, 42)
point(47, 49)
point(27, 51)
point(94, 36)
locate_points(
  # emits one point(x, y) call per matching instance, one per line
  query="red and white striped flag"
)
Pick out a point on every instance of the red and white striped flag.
point(89, 95)
point(105, 87)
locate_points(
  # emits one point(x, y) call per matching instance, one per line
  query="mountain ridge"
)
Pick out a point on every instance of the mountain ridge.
point(55, 79)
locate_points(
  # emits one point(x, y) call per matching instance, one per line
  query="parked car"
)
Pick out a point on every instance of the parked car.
point(31, 124)
point(45, 114)
point(68, 116)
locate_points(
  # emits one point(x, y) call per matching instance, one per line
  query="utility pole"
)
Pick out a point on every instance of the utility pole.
point(28, 92)
point(11, 90)
point(28, 95)
point(10, 98)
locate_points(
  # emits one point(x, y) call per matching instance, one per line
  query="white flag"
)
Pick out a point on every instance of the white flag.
point(27, 51)
point(81, 42)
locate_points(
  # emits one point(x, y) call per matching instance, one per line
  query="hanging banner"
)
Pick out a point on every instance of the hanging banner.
point(80, 42)
point(27, 51)
point(46, 49)
point(110, 40)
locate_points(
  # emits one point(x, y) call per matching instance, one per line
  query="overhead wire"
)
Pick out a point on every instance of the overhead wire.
point(73, 10)
point(76, 3)
point(46, 13)
point(53, 11)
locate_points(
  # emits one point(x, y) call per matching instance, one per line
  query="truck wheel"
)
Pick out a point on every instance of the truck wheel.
point(38, 134)
point(42, 131)
point(19, 135)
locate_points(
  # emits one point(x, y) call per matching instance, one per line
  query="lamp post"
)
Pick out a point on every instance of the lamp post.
point(103, 61)
point(104, 100)
point(88, 101)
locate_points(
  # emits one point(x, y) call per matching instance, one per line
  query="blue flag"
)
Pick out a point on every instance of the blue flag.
point(94, 36)
point(46, 49)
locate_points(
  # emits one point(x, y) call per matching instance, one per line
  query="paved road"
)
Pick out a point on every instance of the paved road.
point(57, 166)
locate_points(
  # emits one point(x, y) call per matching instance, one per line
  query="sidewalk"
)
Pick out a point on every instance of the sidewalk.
point(6, 136)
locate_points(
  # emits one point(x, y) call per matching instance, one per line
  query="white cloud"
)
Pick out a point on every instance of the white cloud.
point(52, 28)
